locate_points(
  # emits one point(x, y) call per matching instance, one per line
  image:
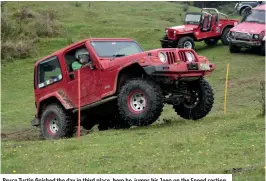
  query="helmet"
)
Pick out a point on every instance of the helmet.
point(82, 51)
point(82, 55)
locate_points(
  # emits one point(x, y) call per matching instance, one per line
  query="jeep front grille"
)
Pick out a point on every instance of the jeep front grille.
point(171, 57)
point(171, 34)
point(182, 56)
point(242, 36)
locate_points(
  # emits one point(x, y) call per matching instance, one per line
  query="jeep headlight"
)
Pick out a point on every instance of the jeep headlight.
point(255, 36)
point(232, 33)
point(162, 57)
point(166, 31)
point(190, 56)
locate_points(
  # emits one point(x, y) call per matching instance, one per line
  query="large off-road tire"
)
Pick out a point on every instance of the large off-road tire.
point(186, 42)
point(234, 49)
point(211, 42)
point(164, 44)
point(140, 102)
point(262, 49)
point(224, 37)
point(199, 104)
point(56, 123)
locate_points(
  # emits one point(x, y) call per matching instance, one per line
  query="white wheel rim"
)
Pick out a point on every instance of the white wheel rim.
point(53, 126)
point(138, 102)
point(188, 44)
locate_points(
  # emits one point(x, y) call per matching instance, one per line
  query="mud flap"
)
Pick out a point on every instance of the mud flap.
point(35, 122)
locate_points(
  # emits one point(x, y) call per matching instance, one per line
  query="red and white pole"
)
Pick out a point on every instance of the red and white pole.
point(78, 103)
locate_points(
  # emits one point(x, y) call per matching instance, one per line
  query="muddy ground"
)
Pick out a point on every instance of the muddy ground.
point(27, 134)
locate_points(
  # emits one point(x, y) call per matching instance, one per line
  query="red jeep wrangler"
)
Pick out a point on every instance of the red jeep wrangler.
point(207, 26)
point(250, 33)
point(121, 86)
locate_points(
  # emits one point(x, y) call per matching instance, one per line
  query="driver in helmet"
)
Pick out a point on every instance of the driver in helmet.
point(82, 58)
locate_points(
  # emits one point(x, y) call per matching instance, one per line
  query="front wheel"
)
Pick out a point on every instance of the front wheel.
point(262, 49)
point(56, 123)
point(234, 48)
point(198, 100)
point(225, 38)
point(140, 102)
point(186, 42)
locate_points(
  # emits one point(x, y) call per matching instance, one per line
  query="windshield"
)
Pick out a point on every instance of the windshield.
point(116, 48)
point(256, 16)
point(193, 18)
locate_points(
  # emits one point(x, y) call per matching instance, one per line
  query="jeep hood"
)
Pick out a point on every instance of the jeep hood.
point(184, 28)
point(248, 27)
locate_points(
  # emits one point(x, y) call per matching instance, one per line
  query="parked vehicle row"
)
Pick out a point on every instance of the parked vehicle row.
point(211, 26)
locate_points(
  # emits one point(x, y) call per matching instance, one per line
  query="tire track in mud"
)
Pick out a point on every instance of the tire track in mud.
point(25, 134)
point(29, 134)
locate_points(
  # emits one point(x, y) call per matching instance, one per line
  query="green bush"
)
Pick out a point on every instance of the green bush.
point(21, 29)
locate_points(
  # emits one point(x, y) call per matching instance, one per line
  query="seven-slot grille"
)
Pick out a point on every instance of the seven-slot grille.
point(242, 36)
point(171, 57)
point(182, 56)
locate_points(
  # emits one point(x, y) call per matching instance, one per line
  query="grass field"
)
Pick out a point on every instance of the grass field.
point(215, 144)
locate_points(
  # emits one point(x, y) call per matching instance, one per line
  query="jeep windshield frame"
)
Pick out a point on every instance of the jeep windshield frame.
point(193, 18)
point(112, 49)
point(255, 16)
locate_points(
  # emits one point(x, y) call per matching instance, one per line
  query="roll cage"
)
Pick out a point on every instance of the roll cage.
point(209, 10)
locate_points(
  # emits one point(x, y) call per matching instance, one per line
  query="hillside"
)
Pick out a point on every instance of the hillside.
point(215, 144)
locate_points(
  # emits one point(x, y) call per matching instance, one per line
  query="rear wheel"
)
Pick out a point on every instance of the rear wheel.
point(211, 42)
point(225, 38)
point(234, 49)
point(140, 102)
point(186, 42)
point(198, 101)
point(56, 123)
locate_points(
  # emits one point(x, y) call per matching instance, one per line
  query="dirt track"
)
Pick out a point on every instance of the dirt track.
point(26, 134)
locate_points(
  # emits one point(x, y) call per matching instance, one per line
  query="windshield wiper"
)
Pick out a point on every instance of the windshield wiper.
point(119, 55)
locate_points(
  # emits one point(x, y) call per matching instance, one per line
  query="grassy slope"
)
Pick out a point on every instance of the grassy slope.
point(215, 144)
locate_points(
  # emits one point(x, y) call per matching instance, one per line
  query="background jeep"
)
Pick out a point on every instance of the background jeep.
point(207, 26)
point(121, 86)
point(243, 7)
point(250, 33)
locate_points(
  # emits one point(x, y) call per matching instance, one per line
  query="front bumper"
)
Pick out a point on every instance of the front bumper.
point(242, 43)
point(170, 43)
point(182, 70)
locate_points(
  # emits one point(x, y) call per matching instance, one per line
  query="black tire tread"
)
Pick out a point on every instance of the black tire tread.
point(204, 107)
point(67, 128)
point(183, 39)
point(156, 109)
point(224, 34)
point(234, 49)
point(262, 49)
